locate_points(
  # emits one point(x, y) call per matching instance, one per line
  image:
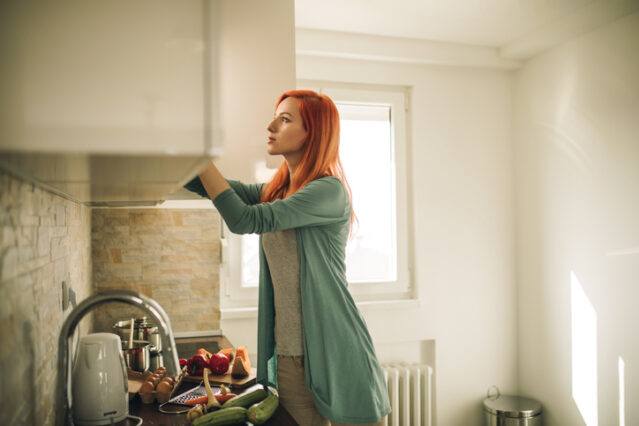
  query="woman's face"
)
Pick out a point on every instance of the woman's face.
point(286, 131)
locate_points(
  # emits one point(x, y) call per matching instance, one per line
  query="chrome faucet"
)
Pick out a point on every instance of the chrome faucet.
point(148, 305)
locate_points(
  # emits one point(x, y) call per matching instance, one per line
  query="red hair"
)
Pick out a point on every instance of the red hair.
point(320, 157)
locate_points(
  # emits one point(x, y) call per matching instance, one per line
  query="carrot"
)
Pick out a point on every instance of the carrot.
point(196, 401)
point(221, 398)
point(204, 352)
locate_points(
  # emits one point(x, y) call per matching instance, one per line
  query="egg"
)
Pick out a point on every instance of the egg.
point(146, 387)
point(164, 387)
point(154, 379)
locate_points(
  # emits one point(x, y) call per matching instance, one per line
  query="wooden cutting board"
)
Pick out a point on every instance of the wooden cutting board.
point(226, 379)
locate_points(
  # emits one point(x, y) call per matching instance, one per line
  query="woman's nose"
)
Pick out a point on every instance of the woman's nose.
point(271, 126)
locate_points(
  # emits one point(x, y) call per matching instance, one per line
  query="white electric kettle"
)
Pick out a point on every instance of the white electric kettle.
point(100, 384)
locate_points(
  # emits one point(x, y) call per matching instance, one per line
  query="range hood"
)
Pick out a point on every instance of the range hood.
point(120, 103)
point(107, 180)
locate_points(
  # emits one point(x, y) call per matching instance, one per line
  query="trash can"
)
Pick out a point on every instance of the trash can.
point(506, 410)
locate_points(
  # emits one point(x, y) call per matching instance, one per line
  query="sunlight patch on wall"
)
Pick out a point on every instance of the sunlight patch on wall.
point(622, 392)
point(584, 353)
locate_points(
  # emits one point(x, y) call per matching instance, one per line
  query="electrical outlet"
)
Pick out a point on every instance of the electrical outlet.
point(65, 296)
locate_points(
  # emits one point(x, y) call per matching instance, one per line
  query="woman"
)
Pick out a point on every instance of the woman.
point(313, 343)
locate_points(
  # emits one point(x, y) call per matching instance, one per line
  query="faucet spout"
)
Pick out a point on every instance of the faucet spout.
point(148, 305)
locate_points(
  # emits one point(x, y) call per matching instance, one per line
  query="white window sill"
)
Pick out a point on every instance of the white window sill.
point(364, 306)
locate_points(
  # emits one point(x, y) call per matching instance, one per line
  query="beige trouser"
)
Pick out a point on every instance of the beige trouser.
point(294, 396)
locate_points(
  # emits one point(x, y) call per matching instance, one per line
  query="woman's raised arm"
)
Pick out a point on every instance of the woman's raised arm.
point(213, 181)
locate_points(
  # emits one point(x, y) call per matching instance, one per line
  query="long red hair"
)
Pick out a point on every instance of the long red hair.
point(320, 157)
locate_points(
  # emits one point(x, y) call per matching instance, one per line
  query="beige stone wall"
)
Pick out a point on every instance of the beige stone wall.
point(44, 240)
point(170, 255)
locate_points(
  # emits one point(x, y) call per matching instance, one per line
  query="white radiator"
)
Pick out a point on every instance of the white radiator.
point(410, 392)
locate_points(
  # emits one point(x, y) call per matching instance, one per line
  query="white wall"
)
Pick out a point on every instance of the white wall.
point(577, 174)
point(462, 208)
point(499, 231)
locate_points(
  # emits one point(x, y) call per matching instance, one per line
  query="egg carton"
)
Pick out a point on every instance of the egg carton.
point(161, 397)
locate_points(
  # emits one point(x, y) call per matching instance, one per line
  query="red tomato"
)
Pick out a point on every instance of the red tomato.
point(219, 364)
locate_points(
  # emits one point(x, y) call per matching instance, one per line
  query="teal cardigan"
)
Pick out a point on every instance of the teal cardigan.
point(341, 368)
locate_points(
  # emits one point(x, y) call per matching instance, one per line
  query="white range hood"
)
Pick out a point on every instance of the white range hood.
point(107, 180)
point(121, 103)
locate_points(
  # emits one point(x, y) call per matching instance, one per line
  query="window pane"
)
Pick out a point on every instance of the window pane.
point(250, 260)
point(366, 152)
point(367, 157)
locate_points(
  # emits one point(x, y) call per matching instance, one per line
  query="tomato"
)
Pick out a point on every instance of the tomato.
point(219, 364)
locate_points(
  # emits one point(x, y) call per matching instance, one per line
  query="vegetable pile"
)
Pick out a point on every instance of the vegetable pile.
point(227, 408)
point(256, 406)
point(219, 363)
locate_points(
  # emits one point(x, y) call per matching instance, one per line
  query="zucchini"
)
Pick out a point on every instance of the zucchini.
point(246, 399)
point(263, 410)
point(225, 416)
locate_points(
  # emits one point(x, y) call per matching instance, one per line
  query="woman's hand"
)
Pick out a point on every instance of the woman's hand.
point(213, 181)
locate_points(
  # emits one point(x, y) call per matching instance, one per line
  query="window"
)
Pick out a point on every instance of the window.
point(373, 152)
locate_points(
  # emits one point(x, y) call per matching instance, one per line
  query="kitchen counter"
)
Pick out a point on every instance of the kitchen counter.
point(186, 348)
point(151, 416)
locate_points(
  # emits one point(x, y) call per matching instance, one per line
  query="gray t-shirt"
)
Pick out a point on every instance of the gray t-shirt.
point(280, 248)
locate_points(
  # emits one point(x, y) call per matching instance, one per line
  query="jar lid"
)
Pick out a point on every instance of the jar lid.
point(512, 406)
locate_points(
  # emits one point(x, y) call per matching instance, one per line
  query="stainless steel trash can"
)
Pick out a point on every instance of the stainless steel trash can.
point(506, 410)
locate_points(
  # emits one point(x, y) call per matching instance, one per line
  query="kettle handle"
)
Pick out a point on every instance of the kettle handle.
point(125, 378)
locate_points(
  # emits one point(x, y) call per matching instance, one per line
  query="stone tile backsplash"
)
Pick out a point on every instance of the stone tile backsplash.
point(170, 255)
point(44, 240)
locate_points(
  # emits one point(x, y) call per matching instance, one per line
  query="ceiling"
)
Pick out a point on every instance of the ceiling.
point(493, 23)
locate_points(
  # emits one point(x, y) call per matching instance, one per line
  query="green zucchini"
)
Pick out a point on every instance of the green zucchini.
point(263, 410)
point(224, 416)
point(246, 399)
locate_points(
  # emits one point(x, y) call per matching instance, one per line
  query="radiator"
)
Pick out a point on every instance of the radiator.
point(410, 392)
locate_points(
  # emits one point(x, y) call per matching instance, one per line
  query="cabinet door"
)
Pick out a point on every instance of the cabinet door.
point(255, 65)
point(112, 77)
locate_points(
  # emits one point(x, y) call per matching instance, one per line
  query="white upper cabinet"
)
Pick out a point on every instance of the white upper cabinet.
point(113, 76)
point(123, 101)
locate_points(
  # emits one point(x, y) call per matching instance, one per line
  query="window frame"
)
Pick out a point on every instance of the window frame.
point(235, 296)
